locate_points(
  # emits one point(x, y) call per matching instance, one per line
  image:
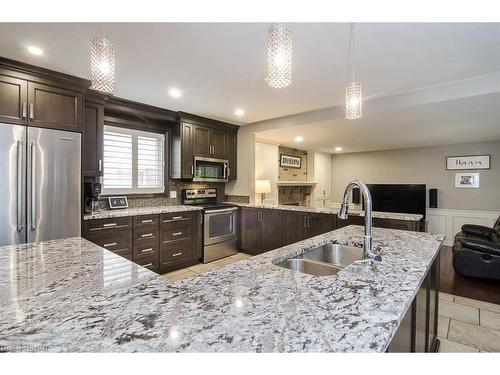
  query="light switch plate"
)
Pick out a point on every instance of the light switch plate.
point(173, 194)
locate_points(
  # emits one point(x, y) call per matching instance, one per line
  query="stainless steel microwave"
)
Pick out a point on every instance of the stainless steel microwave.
point(210, 170)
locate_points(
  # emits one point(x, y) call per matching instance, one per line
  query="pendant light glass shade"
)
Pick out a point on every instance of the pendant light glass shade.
point(102, 63)
point(353, 101)
point(279, 54)
point(353, 94)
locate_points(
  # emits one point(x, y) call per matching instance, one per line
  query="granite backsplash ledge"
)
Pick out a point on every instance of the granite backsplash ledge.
point(155, 200)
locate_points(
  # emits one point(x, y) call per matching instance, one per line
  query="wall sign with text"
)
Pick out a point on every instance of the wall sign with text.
point(290, 161)
point(467, 162)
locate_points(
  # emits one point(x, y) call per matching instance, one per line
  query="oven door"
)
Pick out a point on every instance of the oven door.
point(210, 170)
point(220, 225)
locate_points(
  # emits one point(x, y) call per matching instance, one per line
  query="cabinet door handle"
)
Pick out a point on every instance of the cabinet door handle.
point(201, 218)
point(32, 111)
point(192, 170)
point(99, 165)
point(23, 114)
point(177, 234)
point(109, 225)
point(147, 221)
point(110, 244)
point(148, 265)
point(147, 250)
point(146, 235)
point(177, 254)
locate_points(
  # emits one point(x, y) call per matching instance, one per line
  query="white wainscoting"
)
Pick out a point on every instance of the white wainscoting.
point(449, 222)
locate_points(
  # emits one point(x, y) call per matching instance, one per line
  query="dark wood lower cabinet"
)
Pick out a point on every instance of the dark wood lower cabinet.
point(261, 230)
point(161, 243)
point(418, 330)
point(301, 225)
point(380, 223)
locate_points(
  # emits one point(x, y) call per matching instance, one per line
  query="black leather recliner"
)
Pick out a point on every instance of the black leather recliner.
point(476, 251)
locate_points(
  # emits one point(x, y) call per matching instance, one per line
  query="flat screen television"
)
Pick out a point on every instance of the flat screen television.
point(403, 198)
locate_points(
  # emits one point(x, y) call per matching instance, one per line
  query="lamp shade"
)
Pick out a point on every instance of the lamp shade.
point(262, 186)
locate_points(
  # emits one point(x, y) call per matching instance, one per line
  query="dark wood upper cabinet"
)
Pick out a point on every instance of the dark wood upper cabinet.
point(218, 144)
point(52, 107)
point(231, 148)
point(93, 132)
point(187, 155)
point(202, 145)
point(13, 100)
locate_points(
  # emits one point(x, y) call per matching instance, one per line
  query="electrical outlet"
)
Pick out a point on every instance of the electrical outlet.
point(173, 194)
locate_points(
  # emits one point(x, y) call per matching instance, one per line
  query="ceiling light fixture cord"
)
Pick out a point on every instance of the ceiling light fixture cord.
point(351, 50)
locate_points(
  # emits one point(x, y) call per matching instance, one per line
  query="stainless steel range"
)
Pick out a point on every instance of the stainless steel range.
point(220, 234)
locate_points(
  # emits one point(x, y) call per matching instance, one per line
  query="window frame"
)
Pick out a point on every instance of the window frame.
point(135, 190)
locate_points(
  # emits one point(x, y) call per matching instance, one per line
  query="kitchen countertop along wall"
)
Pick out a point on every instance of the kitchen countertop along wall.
point(137, 211)
point(322, 210)
point(73, 296)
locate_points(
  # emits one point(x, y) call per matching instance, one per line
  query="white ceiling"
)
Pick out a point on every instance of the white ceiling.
point(467, 120)
point(222, 66)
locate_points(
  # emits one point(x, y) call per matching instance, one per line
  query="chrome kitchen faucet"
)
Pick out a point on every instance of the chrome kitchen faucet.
point(368, 253)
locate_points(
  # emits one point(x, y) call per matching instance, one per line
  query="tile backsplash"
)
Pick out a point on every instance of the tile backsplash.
point(177, 185)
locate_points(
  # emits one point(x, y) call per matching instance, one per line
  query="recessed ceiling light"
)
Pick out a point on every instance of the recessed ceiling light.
point(239, 112)
point(175, 93)
point(298, 139)
point(338, 148)
point(35, 50)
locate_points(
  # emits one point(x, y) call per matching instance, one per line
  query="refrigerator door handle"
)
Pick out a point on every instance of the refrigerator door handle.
point(33, 186)
point(20, 225)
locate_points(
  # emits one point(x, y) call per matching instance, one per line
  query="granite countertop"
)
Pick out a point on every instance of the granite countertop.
point(108, 214)
point(321, 210)
point(72, 295)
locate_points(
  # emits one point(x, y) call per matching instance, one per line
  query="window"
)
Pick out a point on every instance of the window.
point(133, 161)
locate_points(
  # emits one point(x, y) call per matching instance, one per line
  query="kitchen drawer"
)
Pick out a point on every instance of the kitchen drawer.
point(106, 225)
point(146, 221)
point(145, 249)
point(119, 241)
point(175, 252)
point(175, 218)
point(145, 234)
point(150, 262)
point(179, 231)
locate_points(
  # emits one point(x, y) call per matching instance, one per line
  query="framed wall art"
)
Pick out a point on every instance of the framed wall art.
point(476, 162)
point(467, 180)
point(290, 161)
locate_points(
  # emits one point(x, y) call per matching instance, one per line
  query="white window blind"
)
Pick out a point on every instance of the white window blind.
point(133, 161)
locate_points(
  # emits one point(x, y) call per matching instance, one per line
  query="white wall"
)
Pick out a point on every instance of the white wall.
point(245, 183)
point(267, 168)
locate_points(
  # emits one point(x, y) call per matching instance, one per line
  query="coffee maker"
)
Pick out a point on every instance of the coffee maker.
point(91, 194)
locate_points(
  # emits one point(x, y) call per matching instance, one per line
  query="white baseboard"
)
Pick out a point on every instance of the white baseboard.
point(449, 222)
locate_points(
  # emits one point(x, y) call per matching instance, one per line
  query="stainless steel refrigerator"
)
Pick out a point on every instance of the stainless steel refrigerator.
point(40, 184)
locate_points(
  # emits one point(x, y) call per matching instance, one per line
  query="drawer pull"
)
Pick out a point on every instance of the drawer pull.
point(110, 244)
point(147, 250)
point(148, 265)
point(109, 225)
point(121, 250)
point(176, 217)
point(147, 221)
point(177, 254)
point(146, 235)
point(177, 234)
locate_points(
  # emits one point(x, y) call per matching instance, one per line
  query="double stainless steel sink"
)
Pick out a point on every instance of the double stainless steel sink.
point(325, 260)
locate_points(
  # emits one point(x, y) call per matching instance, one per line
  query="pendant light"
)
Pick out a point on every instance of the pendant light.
point(279, 55)
point(353, 95)
point(102, 64)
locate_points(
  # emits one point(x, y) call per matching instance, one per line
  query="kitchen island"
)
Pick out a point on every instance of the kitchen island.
point(72, 295)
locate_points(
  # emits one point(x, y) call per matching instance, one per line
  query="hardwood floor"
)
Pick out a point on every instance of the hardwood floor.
point(453, 283)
